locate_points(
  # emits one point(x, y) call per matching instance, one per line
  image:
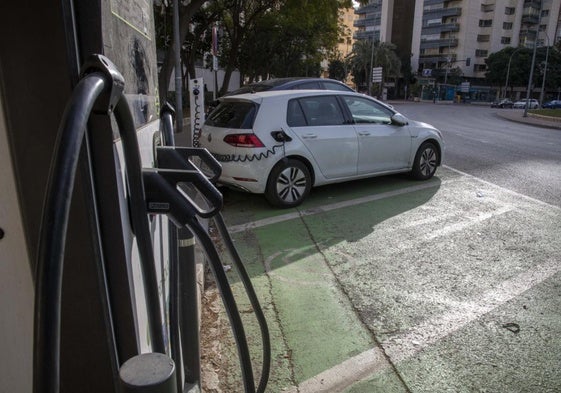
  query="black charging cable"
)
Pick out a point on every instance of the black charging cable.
point(178, 159)
point(101, 90)
point(52, 237)
point(259, 315)
point(140, 225)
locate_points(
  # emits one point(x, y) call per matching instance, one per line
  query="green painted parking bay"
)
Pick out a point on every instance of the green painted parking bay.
point(399, 286)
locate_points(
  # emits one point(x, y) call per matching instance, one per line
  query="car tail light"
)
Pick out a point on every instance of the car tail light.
point(243, 140)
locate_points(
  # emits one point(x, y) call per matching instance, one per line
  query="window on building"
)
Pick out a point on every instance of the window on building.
point(481, 53)
point(487, 7)
point(479, 67)
point(507, 25)
point(432, 22)
point(543, 27)
point(505, 40)
point(483, 37)
point(485, 22)
point(509, 10)
point(541, 42)
point(545, 13)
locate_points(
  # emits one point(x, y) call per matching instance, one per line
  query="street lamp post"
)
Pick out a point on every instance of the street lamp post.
point(545, 69)
point(508, 70)
point(371, 65)
point(533, 63)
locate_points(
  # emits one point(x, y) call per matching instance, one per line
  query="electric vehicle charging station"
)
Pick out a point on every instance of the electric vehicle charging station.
point(109, 300)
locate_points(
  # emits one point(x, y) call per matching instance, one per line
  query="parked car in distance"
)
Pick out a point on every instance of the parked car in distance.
point(296, 83)
point(554, 104)
point(283, 143)
point(292, 83)
point(505, 103)
point(521, 104)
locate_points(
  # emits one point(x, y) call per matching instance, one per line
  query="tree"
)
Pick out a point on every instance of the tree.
point(360, 61)
point(337, 69)
point(261, 38)
point(290, 39)
point(237, 19)
point(367, 54)
point(520, 62)
point(166, 40)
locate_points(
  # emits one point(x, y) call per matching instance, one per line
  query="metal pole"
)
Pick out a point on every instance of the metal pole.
point(178, 77)
point(545, 69)
point(508, 70)
point(371, 66)
point(532, 66)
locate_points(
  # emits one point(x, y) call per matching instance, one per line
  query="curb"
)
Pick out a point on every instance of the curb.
point(531, 120)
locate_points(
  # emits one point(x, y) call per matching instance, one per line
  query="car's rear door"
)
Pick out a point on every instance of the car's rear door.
point(319, 123)
point(382, 146)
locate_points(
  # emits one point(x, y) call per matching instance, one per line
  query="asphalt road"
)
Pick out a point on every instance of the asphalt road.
point(519, 157)
point(394, 285)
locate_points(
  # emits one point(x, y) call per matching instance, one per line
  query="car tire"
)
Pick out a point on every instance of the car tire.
point(289, 183)
point(426, 161)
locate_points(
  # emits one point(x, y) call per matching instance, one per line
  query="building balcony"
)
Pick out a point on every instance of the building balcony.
point(432, 2)
point(443, 43)
point(436, 59)
point(442, 12)
point(363, 22)
point(369, 8)
point(442, 28)
point(367, 35)
point(530, 19)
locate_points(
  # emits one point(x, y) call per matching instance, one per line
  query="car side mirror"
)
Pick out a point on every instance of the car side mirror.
point(399, 120)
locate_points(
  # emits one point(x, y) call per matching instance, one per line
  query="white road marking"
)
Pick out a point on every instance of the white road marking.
point(467, 223)
point(326, 208)
point(407, 344)
point(506, 190)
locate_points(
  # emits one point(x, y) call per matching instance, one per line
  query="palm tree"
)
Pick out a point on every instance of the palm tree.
point(360, 60)
point(367, 54)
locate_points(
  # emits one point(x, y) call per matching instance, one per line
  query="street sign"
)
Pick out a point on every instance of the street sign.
point(377, 74)
point(464, 87)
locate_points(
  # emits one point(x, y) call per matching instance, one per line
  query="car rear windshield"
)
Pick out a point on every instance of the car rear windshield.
point(233, 114)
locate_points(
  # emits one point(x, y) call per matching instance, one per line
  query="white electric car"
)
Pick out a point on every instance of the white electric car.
point(283, 143)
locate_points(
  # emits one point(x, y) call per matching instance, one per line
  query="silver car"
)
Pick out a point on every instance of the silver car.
point(521, 104)
point(283, 143)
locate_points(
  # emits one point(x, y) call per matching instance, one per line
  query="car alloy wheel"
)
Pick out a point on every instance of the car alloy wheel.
point(289, 183)
point(426, 161)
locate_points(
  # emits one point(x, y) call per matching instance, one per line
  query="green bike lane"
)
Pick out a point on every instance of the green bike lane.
point(392, 285)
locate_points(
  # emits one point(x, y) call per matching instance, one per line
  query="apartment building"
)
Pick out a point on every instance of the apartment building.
point(459, 33)
point(387, 21)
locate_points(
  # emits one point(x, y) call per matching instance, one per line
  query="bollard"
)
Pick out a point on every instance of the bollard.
point(148, 373)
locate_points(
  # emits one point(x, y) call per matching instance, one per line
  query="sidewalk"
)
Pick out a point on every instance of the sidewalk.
point(516, 116)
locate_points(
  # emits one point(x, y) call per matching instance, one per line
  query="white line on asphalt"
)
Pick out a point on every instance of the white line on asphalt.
point(326, 208)
point(376, 197)
point(407, 344)
point(528, 198)
point(467, 223)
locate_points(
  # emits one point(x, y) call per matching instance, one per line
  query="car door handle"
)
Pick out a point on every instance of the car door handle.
point(363, 133)
point(309, 136)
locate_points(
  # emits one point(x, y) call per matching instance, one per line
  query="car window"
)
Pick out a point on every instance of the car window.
point(233, 114)
point(307, 85)
point(295, 116)
point(364, 110)
point(322, 111)
point(335, 86)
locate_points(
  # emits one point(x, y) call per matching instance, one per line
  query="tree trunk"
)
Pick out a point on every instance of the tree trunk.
point(185, 15)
